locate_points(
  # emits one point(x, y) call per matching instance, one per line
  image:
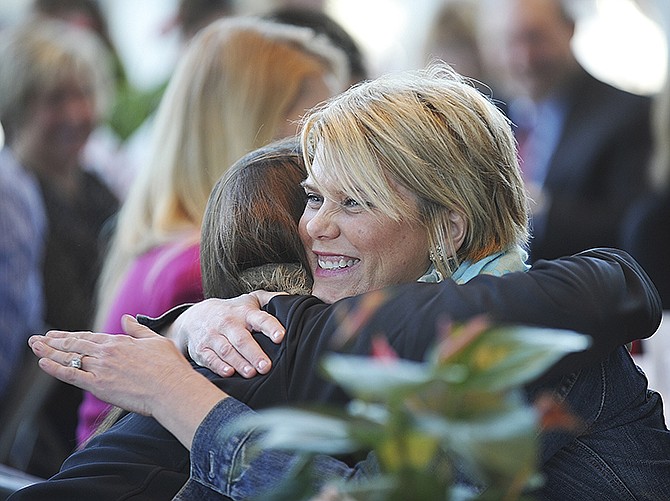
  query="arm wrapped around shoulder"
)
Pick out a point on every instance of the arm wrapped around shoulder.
point(603, 293)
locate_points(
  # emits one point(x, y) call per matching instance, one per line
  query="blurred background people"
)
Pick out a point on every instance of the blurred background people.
point(137, 109)
point(101, 150)
point(55, 87)
point(452, 38)
point(193, 15)
point(23, 227)
point(584, 144)
point(241, 83)
point(646, 229)
point(324, 24)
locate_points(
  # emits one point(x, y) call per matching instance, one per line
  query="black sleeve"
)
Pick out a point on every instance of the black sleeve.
point(603, 293)
point(158, 324)
point(135, 459)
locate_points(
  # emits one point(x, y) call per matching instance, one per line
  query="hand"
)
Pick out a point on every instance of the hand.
point(217, 334)
point(133, 372)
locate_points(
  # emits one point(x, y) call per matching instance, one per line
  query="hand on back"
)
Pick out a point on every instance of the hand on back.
point(216, 333)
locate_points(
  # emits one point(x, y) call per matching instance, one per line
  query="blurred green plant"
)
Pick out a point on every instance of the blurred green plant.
point(455, 427)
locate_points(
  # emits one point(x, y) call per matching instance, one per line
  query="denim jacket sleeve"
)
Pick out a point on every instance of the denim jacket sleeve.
point(221, 463)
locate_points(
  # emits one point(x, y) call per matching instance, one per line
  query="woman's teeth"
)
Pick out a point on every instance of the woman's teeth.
point(340, 263)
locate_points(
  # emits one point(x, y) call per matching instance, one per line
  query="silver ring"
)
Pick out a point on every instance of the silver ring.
point(76, 362)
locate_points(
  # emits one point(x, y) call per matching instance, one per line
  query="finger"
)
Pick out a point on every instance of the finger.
point(218, 355)
point(241, 351)
point(70, 375)
point(135, 329)
point(261, 321)
point(81, 335)
point(34, 339)
point(70, 344)
point(62, 358)
point(64, 334)
point(211, 360)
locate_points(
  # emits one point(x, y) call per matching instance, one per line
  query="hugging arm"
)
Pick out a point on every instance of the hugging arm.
point(603, 293)
point(600, 292)
point(241, 475)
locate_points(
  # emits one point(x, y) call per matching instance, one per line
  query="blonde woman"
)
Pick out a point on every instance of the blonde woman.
point(241, 83)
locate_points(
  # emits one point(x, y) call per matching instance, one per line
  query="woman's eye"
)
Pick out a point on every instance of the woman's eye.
point(312, 200)
point(356, 206)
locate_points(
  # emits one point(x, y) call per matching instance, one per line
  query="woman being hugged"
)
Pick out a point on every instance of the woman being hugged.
point(415, 177)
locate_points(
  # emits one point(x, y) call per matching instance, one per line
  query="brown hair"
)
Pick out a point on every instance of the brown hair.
point(249, 233)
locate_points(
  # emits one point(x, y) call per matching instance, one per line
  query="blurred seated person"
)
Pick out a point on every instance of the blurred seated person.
point(57, 78)
point(101, 150)
point(584, 144)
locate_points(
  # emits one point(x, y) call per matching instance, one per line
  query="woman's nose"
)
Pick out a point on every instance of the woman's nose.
point(79, 108)
point(322, 225)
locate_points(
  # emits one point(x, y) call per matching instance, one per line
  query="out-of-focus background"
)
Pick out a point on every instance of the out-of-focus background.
point(620, 41)
point(623, 42)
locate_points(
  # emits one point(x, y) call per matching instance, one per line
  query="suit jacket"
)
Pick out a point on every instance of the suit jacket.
point(596, 171)
point(602, 293)
point(646, 236)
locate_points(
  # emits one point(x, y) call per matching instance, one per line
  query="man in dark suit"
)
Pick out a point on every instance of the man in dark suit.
point(584, 144)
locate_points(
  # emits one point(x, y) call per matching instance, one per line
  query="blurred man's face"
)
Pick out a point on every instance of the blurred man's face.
point(536, 45)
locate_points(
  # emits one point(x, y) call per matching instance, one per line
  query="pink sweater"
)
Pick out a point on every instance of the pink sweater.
point(161, 278)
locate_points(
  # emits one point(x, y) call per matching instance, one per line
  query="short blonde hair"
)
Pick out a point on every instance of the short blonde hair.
point(433, 133)
point(38, 54)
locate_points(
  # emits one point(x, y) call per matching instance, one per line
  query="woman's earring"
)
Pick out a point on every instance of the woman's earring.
point(437, 254)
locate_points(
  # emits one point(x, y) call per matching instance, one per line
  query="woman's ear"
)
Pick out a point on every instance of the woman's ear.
point(457, 228)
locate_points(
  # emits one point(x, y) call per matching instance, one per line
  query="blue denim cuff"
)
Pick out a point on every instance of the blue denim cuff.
point(228, 463)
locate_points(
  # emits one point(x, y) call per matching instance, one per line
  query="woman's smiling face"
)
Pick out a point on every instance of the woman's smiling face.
point(352, 250)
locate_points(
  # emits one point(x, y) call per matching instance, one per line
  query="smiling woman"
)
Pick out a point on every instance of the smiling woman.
point(398, 205)
point(349, 243)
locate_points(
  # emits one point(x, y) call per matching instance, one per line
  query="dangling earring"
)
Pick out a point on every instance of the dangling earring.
point(436, 255)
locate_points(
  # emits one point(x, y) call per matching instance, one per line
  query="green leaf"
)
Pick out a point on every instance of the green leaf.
point(505, 357)
point(375, 380)
point(500, 449)
point(302, 431)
